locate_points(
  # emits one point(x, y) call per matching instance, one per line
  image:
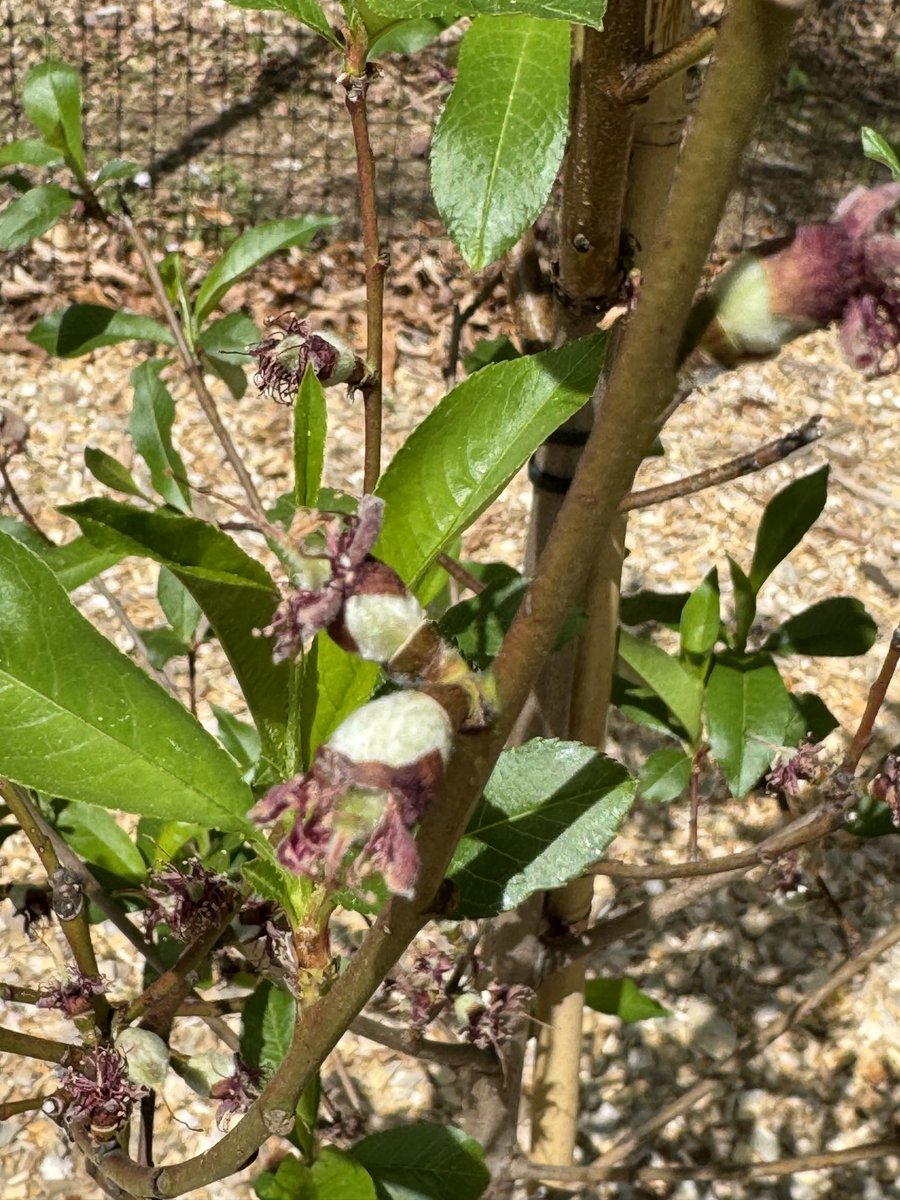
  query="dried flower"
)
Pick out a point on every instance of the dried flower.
point(787, 873)
point(236, 1092)
point(73, 996)
point(490, 1020)
point(846, 269)
point(424, 985)
point(886, 786)
point(99, 1092)
point(784, 780)
point(189, 899)
point(367, 788)
point(283, 356)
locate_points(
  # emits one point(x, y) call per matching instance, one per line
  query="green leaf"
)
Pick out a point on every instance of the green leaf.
point(678, 688)
point(487, 351)
point(97, 837)
point(73, 563)
point(343, 683)
point(665, 775)
point(310, 425)
point(642, 705)
point(478, 625)
point(110, 472)
point(744, 605)
point(834, 627)
point(33, 214)
point(235, 593)
point(421, 1161)
point(267, 1026)
point(29, 152)
point(816, 717)
point(51, 97)
point(787, 517)
point(224, 344)
point(499, 142)
point(308, 12)
point(239, 739)
point(665, 608)
point(873, 819)
point(162, 645)
point(273, 882)
point(549, 810)
point(292, 1179)
point(122, 742)
point(337, 1176)
point(700, 619)
point(581, 12)
point(468, 448)
point(81, 328)
point(248, 251)
point(622, 998)
point(406, 37)
point(152, 416)
point(160, 842)
point(116, 168)
point(180, 608)
point(874, 147)
point(750, 715)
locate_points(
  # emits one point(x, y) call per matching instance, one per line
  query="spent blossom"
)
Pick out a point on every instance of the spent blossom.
point(188, 898)
point(283, 356)
point(99, 1092)
point(74, 995)
point(236, 1092)
point(784, 779)
point(491, 1019)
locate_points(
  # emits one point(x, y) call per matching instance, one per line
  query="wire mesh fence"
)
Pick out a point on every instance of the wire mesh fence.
point(234, 116)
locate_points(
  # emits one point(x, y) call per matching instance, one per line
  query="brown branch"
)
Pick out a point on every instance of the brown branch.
point(27, 1045)
point(745, 464)
point(529, 295)
point(458, 572)
point(643, 79)
point(12, 1108)
point(877, 693)
point(190, 364)
point(405, 1041)
point(827, 1160)
point(356, 81)
point(749, 1049)
point(12, 993)
point(460, 318)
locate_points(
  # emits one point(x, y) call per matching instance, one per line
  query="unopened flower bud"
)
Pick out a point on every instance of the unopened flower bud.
point(379, 616)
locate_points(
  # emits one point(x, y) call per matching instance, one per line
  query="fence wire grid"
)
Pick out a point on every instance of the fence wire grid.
point(234, 116)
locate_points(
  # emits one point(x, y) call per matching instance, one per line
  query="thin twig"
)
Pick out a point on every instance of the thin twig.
point(12, 1108)
point(356, 81)
point(16, 501)
point(649, 75)
point(190, 364)
point(827, 1160)
point(461, 316)
point(405, 1041)
point(749, 1049)
point(877, 693)
point(139, 644)
point(694, 832)
point(745, 464)
point(458, 572)
point(27, 1045)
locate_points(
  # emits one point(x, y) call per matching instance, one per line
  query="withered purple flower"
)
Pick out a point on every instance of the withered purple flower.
point(423, 985)
point(283, 356)
point(784, 779)
point(188, 898)
point(366, 790)
point(237, 1092)
point(787, 873)
point(886, 786)
point(846, 269)
point(490, 1022)
point(74, 995)
point(99, 1092)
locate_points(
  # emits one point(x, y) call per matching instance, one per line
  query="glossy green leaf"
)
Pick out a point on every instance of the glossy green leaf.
point(267, 1026)
point(98, 839)
point(81, 328)
point(291, 1179)
point(834, 627)
point(51, 97)
point(816, 717)
point(342, 683)
point(642, 705)
point(622, 998)
point(307, 12)
point(152, 416)
point(273, 882)
point(468, 448)
point(878, 149)
point(499, 142)
point(581, 12)
point(180, 608)
point(406, 37)
point(122, 742)
point(487, 351)
point(115, 169)
point(224, 348)
point(873, 818)
point(750, 715)
point(110, 472)
point(549, 810)
point(665, 608)
point(310, 427)
point(33, 214)
point(681, 691)
point(28, 152)
point(744, 605)
point(235, 593)
point(338, 1176)
point(161, 842)
point(421, 1161)
point(478, 624)
point(700, 617)
point(665, 775)
point(240, 739)
point(73, 563)
point(787, 518)
point(248, 251)
point(163, 645)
